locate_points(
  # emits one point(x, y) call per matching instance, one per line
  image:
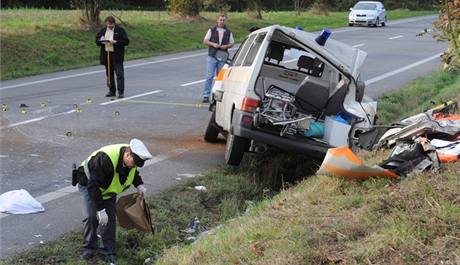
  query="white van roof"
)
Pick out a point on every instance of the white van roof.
point(345, 57)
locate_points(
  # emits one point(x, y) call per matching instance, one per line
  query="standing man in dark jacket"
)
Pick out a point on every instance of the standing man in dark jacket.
point(112, 39)
point(219, 39)
point(104, 174)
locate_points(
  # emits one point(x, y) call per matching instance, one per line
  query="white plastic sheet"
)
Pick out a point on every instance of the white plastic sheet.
point(19, 202)
point(449, 147)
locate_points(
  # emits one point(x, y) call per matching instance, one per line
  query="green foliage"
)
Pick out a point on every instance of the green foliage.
point(216, 5)
point(448, 26)
point(185, 8)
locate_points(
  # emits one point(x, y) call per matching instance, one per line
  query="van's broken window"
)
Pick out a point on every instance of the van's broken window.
point(241, 54)
point(254, 49)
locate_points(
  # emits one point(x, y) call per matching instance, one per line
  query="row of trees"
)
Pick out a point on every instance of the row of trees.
point(217, 5)
point(448, 28)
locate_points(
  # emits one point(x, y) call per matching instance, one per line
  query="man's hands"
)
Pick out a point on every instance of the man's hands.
point(216, 45)
point(102, 217)
point(141, 189)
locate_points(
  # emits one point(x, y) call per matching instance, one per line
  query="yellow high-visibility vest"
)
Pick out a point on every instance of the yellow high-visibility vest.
point(115, 187)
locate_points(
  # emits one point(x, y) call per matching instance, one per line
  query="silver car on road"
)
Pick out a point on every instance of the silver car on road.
point(367, 13)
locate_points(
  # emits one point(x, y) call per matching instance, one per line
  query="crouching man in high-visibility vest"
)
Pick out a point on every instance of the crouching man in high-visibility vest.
point(110, 171)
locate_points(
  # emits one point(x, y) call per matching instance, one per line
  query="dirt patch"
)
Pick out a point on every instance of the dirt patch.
point(191, 142)
point(12, 139)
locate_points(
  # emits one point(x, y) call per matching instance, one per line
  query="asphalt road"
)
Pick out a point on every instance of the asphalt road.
point(162, 107)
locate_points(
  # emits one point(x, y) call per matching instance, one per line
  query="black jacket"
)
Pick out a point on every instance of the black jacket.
point(215, 38)
point(118, 55)
point(101, 168)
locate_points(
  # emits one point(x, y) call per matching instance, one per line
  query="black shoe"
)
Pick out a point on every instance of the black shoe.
point(121, 96)
point(205, 100)
point(110, 94)
point(87, 255)
point(111, 259)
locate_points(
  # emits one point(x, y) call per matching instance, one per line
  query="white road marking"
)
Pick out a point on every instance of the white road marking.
point(23, 122)
point(74, 110)
point(169, 60)
point(127, 98)
point(50, 196)
point(402, 69)
point(396, 37)
point(358, 45)
point(51, 79)
point(194, 82)
point(100, 71)
point(346, 30)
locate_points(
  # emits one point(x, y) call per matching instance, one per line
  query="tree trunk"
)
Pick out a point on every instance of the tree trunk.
point(91, 10)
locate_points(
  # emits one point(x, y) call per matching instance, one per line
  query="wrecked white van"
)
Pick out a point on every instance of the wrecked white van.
point(287, 90)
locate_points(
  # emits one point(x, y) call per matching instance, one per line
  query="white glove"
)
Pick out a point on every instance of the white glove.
point(141, 189)
point(102, 217)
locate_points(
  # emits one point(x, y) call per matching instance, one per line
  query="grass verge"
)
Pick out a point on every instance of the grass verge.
point(36, 41)
point(322, 220)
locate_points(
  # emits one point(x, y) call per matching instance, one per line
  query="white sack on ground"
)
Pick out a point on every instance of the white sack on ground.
point(19, 202)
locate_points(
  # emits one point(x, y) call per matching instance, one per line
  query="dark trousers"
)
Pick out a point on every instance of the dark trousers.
point(107, 232)
point(117, 69)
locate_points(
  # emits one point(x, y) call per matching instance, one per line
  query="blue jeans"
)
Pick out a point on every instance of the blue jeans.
point(212, 69)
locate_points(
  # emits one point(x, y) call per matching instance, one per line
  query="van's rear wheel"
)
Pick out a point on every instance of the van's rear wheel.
point(212, 131)
point(235, 148)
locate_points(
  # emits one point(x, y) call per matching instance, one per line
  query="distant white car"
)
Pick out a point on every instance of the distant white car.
point(367, 13)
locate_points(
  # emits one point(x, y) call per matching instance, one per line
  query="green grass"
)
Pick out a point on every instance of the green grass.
point(327, 220)
point(418, 96)
point(35, 41)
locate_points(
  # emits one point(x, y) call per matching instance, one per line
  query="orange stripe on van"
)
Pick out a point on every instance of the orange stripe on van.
point(221, 74)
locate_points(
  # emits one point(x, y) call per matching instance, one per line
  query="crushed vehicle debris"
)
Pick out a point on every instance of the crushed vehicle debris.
point(293, 90)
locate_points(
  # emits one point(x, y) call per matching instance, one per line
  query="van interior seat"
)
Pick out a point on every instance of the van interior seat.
point(318, 67)
point(313, 96)
point(305, 62)
point(275, 52)
point(335, 102)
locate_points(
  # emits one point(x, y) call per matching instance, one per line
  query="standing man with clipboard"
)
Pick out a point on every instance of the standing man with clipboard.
point(112, 39)
point(219, 39)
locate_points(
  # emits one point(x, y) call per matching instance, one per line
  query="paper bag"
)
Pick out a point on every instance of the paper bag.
point(133, 212)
